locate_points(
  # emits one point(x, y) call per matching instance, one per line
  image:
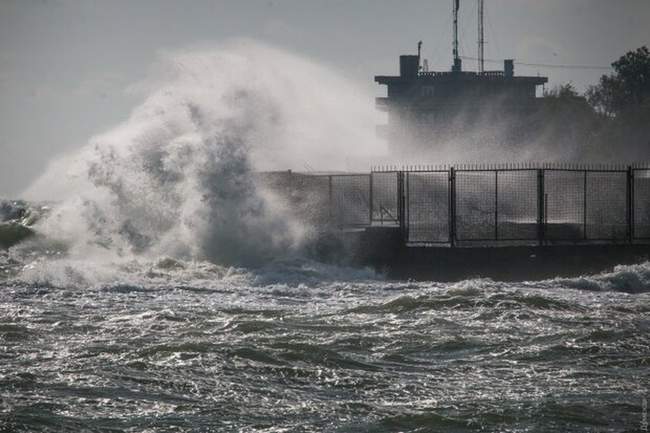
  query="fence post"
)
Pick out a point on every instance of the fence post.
point(452, 206)
point(370, 199)
point(540, 206)
point(630, 204)
point(330, 198)
point(496, 205)
point(406, 199)
point(584, 207)
point(401, 203)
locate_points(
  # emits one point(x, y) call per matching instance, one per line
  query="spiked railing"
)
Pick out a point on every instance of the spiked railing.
point(492, 203)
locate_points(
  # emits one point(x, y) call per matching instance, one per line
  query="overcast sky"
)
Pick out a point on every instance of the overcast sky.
point(66, 66)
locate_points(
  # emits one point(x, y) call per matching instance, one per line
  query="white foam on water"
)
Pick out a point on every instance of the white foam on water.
point(176, 178)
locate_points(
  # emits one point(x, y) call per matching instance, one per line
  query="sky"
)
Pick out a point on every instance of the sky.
point(67, 68)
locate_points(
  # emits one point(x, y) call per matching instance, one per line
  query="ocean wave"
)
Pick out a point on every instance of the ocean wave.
point(177, 178)
point(624, 278)
point(141, 274)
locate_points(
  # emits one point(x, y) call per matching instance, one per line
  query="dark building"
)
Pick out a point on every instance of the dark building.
point(426, 108)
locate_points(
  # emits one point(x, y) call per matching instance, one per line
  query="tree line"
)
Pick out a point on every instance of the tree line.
point(610, 121)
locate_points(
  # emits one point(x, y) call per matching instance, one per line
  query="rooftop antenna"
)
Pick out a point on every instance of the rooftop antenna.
point(481, 39)
point(457, 64)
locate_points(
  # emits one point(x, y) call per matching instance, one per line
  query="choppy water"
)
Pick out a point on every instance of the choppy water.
point(97, 336)
point(299, 346)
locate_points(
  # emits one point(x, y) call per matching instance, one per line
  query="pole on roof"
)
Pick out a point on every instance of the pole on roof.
point(481, 39)
point(457, 64)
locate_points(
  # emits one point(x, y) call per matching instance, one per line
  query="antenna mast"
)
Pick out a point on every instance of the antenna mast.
point(481, 39)
point(457, 64)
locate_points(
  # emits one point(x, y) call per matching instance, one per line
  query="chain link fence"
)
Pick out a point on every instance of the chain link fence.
point(384, 193)
point(486, 205)
point(350, 200)
point(427, 207)
point(606, 206)
point(476, 205)
point(517, 205)
point(641, 200)
point(564, 204)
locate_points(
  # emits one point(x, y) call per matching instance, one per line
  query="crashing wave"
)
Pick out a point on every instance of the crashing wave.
point(17, 219)
point(176, 179)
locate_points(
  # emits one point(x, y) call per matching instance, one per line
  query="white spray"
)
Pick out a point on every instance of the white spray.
point(176, 179)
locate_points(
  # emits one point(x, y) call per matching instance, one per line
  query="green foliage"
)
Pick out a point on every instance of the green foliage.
point(562, 91)
point(623, 101)
point(627, 89)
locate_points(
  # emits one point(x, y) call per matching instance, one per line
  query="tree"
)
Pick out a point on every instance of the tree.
point(562, 91)
point(563, 127)
point(623, 100)
point(626, 90)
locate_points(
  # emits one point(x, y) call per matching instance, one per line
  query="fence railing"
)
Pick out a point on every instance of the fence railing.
point(502, 204)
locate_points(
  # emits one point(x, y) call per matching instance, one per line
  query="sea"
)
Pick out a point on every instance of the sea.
point(301, 346)
point(150, 284)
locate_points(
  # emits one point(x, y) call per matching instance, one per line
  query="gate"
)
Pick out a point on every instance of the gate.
point(350, 200)
point(384, 197)
point(427, 207)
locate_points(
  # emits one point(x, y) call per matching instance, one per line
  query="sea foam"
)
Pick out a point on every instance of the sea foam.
point(176, 178)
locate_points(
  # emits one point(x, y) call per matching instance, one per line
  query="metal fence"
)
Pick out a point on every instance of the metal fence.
point(641, 201)
point(426, 205)
point(468, 205)
point(350, 200)
point(385, 197)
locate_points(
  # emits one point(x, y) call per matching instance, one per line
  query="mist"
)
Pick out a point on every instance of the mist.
point(553, 129)
point(67, 68)
point(176, 178)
